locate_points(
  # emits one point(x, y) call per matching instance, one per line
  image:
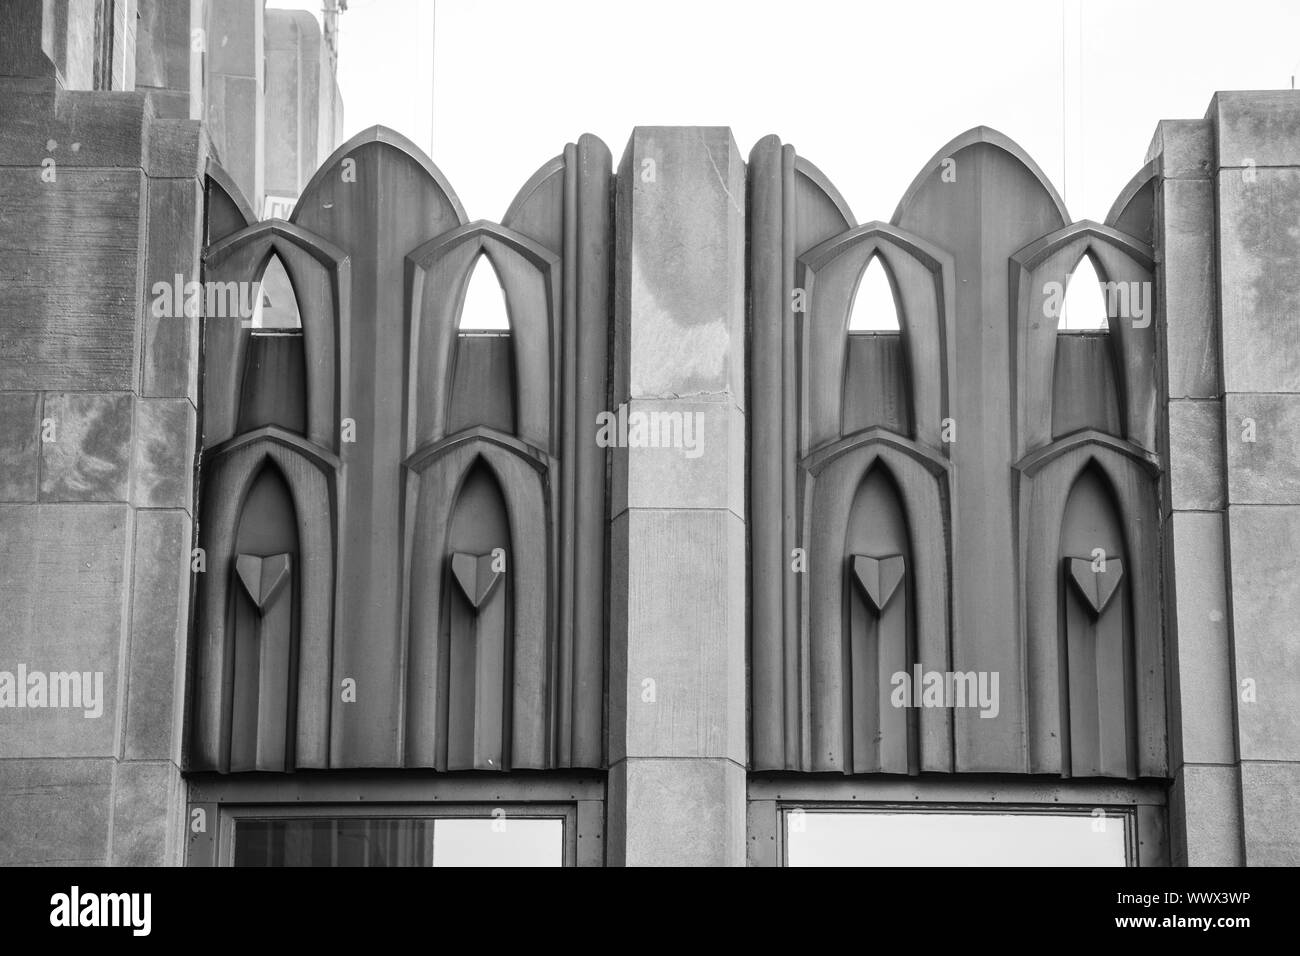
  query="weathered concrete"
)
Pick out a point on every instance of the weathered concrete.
point(1257, 176)
point(97, 437)
point(677, 617)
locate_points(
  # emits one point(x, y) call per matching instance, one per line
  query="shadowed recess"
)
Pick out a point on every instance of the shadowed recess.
point(1097, 686)
point(476, 663)
point(275, 378)
point(483, 376)
point(875, 374)
point(264, 623)
point(878, 616)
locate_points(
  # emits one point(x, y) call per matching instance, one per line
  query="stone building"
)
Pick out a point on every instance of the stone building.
point(677, 563)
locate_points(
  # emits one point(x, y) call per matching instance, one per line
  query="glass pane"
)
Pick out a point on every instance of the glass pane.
point(498, 842)
point(815, 838)
point(359, 841)
point(351, 841)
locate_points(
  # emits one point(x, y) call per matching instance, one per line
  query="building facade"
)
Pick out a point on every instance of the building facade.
point(676, 564)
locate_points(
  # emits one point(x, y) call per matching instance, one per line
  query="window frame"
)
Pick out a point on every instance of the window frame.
point(1142, 805)
point(577, 800)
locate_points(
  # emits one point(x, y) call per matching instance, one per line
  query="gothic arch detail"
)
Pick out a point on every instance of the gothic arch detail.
point(447, 531)
point(321, 277)
point(285, 565)
point(1126, 268)
point(922, 275)
point(873, 438)
point(876, 603)
point(412, 452)
point(1092, 632)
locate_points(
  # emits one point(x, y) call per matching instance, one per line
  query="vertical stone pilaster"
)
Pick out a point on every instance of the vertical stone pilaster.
point(677, 621)
point(1205, 806)
point(98, 420)
point(1257, 205)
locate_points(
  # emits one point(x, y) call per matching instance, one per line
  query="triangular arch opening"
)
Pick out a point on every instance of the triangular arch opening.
point(875, 308)
point(275, 303)
point(1084, 306)
point(483, 310)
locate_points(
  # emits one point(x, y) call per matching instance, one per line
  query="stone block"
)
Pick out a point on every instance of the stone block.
point(1205, 816)
point(54, 812)
point(1185, 149)
point(1196, 455)
point(1259, 246)
point(144, 795)
point(677, 813)
point(684, 630)
point(63, 571)
point(72, 251)
point(1270, 803)
point(1188, 292)
point(1262, 126)
point(164, 454)
point(683, 290)
point(163, 45)
point(1201, 688)
point(19, 438)
point(1265, 608)
point(1266, 470)
point(89, 458)
point(171, 342)
point(159, 625)
point(708, 474)
point(92, 130)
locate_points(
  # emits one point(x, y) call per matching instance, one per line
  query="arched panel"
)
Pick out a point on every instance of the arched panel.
point(436, 525)
point(477, 630)
point(876, 376)
point(274, 388)
point(321, 282)
point(482, 387)
point(1044, 483)
point(830, 274)
point(1097, 671)
point(309, 475)
point(530, 277)
point(1039, 273)
point(834, 532)
point(1133, 211)
point(880, 614)
point(226, 211)
point(263, 627)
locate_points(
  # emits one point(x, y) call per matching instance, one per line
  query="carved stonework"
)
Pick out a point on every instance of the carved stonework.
point(443, 505)
point(959, 440)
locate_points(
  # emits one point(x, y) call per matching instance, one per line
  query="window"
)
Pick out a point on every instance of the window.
point(453, 836)
point(951, 836)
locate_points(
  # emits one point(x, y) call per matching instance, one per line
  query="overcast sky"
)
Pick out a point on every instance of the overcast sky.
point(868, 91)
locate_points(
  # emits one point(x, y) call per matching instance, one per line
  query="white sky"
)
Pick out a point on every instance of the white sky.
point(868, 91)
point(982, 838)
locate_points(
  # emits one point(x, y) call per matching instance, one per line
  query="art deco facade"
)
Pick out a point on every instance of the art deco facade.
point(365, 587)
